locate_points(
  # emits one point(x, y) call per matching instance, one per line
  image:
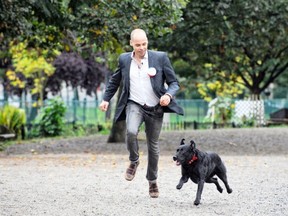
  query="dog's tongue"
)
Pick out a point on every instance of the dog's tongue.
point(178, 163)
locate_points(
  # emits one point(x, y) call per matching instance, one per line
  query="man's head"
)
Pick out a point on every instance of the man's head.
point(139, 42)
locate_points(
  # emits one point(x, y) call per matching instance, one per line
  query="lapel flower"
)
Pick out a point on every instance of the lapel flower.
point(151, 72)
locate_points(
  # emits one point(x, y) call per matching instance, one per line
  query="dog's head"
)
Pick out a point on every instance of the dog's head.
point(185, 153)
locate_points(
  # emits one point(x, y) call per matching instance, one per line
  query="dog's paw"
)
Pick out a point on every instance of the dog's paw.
point(220, 189)
point(229, 191)
point(179, 186)
point(196, 202)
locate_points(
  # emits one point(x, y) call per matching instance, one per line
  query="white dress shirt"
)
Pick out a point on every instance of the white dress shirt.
point(141, 90)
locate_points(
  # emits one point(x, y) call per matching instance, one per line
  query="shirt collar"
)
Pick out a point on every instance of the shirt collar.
point(145, 56)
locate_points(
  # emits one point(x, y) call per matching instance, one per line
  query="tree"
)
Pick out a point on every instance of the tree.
point(108, 23)
point(28, 22)
point(32, 64)
point(280, 87)
point(73, 25)
point(248, 39)
point(83, 27)
point(76, 71)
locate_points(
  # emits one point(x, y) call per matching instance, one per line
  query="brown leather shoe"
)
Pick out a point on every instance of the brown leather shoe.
point(131, 170)
point(153, 190)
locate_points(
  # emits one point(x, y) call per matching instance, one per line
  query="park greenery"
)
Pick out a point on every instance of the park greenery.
point(219, 49)
point(239, 38)
point(12, 118)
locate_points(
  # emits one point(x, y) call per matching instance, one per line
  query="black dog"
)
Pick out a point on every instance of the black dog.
point(200, 167)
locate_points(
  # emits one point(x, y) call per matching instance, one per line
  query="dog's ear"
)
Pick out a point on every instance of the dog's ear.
point(192, 144)
point(182, 142)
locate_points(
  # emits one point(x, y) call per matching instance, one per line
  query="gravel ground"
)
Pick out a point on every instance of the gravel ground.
point(85, 176)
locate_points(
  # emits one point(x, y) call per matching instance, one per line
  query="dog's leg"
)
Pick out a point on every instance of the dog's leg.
point(199, 192)
point(183, 180)
point(223, 177)
point(215, 181)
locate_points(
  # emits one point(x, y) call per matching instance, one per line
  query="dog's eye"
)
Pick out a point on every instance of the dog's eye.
point(177, 150)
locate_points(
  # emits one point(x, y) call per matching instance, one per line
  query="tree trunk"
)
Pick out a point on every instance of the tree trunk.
point(117, 134)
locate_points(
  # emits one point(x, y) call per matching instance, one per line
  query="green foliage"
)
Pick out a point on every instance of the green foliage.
point(220, 110)
point(108, 23)
point(51, 118)
point(183, 68)
point(111, 18)
point(187, 77)
point(32, 64)
point(79, 24)
point(212, 89)
point(82, 27)
point(13, 118)
point(13, 16)
point(280, 89)
point(248, 39)
point(72, 130)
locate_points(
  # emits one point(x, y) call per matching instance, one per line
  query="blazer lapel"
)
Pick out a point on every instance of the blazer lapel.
point(150, 59)
point(151, 63)
point(126, 73)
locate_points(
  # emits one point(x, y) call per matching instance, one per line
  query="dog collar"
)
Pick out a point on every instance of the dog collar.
point(194, 158)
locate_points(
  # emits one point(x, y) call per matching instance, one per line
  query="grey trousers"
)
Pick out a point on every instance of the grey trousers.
point(135, 116)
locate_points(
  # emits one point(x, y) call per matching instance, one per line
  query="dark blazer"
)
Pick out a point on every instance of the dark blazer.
point(164, 74)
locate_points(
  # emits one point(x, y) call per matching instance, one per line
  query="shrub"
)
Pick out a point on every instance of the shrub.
point(51, 119)
point(12, 118)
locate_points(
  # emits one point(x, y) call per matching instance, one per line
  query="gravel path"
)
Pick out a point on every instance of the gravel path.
point(75, 177)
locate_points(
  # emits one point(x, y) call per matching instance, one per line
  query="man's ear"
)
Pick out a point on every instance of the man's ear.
point(131, 43)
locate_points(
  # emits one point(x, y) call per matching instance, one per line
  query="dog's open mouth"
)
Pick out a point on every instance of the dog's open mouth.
point(175, 158)
point(178, 163)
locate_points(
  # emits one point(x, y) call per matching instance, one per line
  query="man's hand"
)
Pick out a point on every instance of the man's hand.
point(104, 106)
point(165, 100)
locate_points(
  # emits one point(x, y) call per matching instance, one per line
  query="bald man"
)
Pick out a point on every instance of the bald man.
point(144, 99)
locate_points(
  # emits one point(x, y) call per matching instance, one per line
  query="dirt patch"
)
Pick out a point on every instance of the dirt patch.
point(94, 184)
point(250, 141)
point(85, 176)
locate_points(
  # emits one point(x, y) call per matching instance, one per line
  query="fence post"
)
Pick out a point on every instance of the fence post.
point(198, 111)
point(195, 125)
point(74, 110)
point(84, 110)
point(96, 110)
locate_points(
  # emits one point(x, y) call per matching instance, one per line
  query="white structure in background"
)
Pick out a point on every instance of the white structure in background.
point(250, 109)
point(66, 93)
point(211, 109)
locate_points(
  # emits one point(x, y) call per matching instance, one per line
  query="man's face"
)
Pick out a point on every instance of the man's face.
point(139, 43)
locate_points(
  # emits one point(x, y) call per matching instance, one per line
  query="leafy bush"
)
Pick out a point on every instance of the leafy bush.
point(13, 118)
point(76, 71)
point(78, 130)
point(51, 119)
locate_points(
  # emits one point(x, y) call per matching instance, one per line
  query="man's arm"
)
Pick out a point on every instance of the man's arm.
point(170, 76)
point(111, 88)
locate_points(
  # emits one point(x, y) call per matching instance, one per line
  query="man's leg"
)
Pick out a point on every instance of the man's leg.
point(153, 128)
point(134, 119)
